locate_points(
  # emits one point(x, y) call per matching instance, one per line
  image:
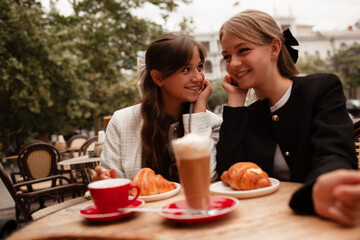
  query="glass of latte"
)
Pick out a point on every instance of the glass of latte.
point(192, 154)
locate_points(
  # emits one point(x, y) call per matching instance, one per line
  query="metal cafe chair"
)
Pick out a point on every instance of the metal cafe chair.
point(14, 174)
point(23, 200)
point(39, 161)
point(74, 144)
point(88, 146)
point(357, 140)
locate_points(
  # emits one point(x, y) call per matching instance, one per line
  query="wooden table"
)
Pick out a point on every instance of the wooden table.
point(78, 163)
point(266, 217)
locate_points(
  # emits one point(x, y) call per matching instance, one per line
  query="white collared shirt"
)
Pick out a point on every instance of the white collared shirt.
point(281, 169)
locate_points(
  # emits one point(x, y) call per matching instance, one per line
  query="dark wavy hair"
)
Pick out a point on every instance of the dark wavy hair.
point(166, 54)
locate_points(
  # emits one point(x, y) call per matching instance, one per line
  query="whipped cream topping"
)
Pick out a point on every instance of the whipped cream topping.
point(192, 145)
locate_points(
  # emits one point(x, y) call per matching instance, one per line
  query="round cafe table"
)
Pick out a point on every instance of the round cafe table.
point(84, 164)
point(78, 163)
point(265, 217)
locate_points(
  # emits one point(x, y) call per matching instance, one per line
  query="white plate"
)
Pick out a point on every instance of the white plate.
point(150, 198)
point(219, 188)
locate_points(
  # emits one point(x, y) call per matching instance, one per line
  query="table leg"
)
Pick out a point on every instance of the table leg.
point(88, 175)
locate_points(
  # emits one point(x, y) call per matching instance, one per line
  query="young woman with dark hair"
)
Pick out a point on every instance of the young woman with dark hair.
point(139, 136)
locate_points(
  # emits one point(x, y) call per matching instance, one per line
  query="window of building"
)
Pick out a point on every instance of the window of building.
point(206, 46)
point(208, 67)
point(343, 46)
point(328, 53)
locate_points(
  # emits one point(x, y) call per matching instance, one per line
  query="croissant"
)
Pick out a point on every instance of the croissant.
point(151, 184)
point(245, 176)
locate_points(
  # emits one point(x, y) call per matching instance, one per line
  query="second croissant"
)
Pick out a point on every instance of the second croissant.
point(245, 176)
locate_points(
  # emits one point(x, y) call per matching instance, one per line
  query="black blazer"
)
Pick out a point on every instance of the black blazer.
point(313, 130)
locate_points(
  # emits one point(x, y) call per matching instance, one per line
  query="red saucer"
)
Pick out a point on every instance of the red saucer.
point(225, 205)
point(92, 213)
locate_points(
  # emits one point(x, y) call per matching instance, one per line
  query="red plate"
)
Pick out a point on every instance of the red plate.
point(92, 213)
point(225, 205)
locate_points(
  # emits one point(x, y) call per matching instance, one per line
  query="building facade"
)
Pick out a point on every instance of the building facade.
point(321, 44)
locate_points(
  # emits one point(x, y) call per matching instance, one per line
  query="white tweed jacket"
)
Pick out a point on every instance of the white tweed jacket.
point(122, 147)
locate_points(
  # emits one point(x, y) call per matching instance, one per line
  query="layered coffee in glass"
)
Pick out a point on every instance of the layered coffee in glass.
point(192, 154)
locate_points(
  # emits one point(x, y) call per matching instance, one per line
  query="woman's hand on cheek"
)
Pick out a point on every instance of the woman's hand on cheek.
point(230, 86)
point(237, 95)
point(205, 93)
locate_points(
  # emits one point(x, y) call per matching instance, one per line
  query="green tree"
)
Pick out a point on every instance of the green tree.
point(313, 64)
point(37, 82)
point(110, 38)
point(347, 63)
point(218, 97)
point(58, 73)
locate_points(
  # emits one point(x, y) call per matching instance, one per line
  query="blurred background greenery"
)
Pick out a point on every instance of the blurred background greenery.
point(59, 74)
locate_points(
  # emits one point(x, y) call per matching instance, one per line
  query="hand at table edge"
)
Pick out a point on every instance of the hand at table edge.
point(336, 196)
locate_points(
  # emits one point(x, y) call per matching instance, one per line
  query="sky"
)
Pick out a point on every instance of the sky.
point(208, 15)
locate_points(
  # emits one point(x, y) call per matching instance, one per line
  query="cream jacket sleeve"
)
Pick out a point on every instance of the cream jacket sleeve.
point(122, 147)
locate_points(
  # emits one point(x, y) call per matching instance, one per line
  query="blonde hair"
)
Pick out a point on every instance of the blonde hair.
point(260, 28)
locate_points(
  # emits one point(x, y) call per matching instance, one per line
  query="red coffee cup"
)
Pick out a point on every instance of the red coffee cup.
point(111, 194)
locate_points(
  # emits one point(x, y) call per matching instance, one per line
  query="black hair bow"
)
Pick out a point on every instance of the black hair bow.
point(290, 40)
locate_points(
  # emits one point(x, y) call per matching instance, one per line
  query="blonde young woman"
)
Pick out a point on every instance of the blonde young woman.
point(299, 128)
point(139, 136)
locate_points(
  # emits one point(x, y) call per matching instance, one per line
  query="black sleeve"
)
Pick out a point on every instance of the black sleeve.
point(332, 140)
point(230, 148)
